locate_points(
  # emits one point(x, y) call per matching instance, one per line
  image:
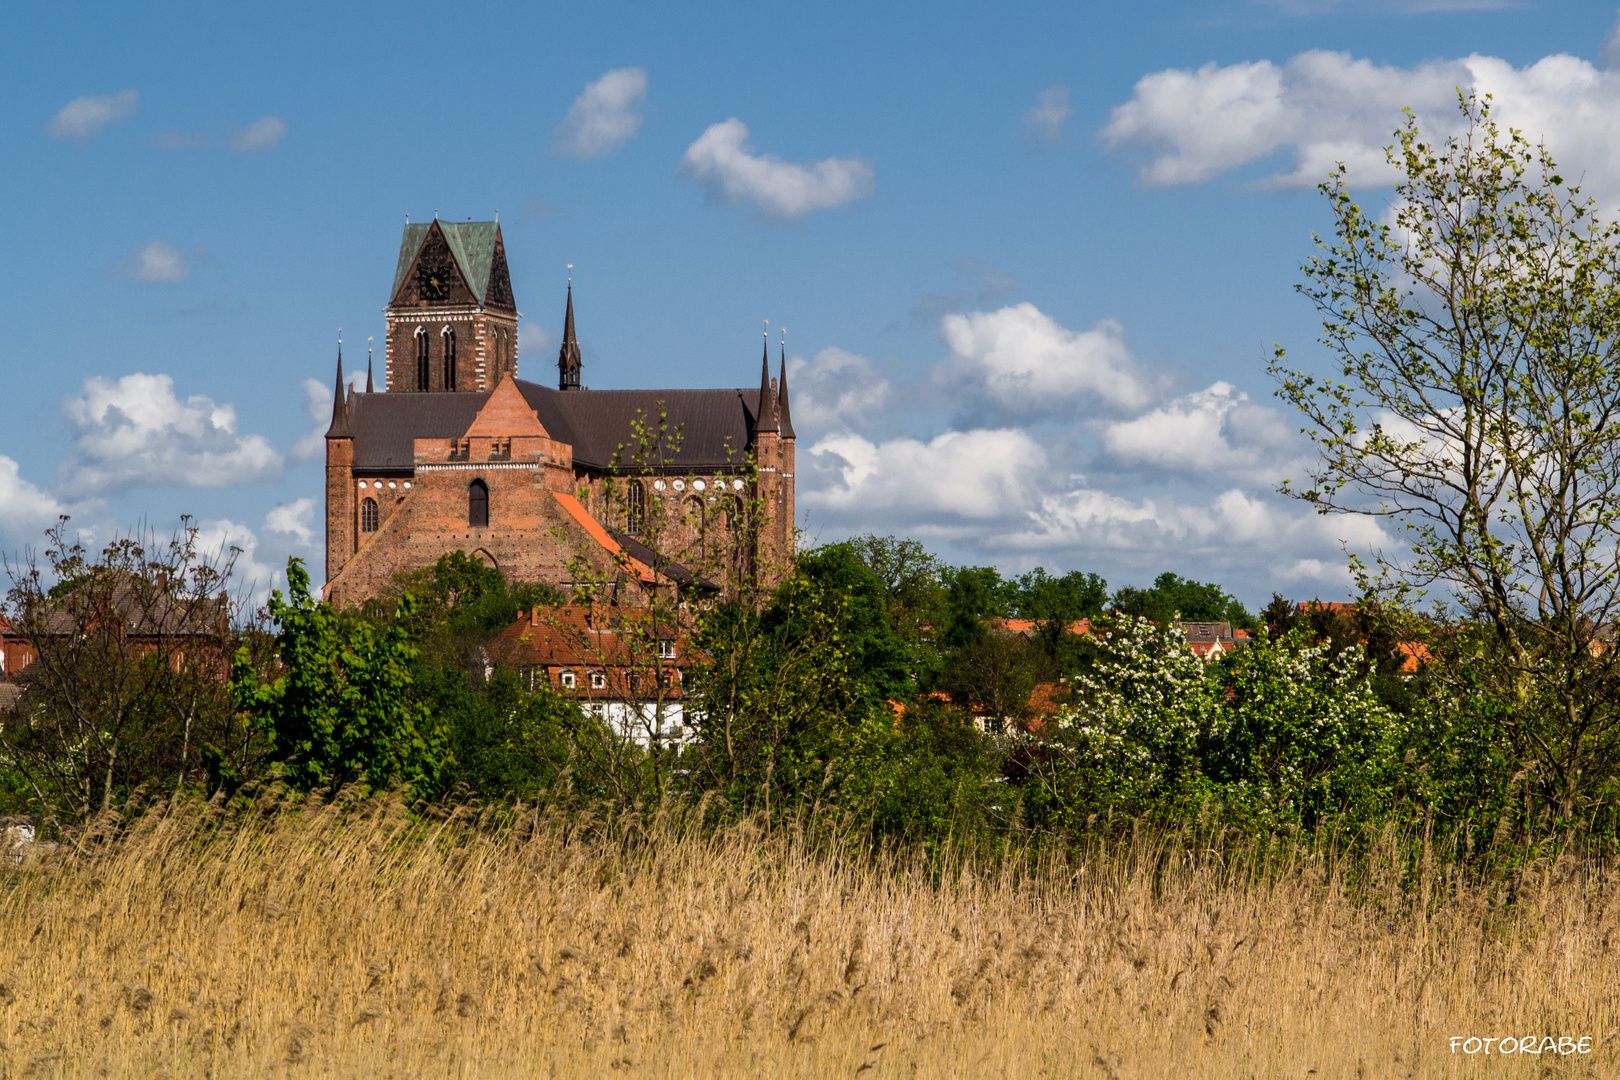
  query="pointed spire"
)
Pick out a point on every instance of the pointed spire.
point(568, 361)
point(340, 411)
point(370, 386)
point(784, 417)
point(765, 415)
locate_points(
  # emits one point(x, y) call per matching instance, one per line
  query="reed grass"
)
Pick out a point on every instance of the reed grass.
point(358, 940)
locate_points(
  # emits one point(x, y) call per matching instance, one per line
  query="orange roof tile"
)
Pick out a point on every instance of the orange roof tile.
point(600, 535)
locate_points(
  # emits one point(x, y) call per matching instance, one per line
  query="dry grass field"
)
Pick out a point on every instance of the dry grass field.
point(306, 943)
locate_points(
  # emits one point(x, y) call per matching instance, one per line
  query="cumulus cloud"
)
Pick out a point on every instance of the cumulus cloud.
point(82, 119)
point(838, 390)
point(1324, 107)
point(159, 261)
point(960, 476)
point(1217, 430)
point(1018, 360)
point(604, 117)
point(1279, 540)
point(1154, 479)
point(262, 134)
point(293, 519)
point(25, 510)
point(135, 432)
point(1044, 123)
point(728, 173)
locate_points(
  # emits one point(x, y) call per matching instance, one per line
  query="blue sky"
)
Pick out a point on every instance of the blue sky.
point(1031, 257)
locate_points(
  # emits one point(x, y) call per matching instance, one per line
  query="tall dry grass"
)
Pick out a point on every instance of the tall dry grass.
point(313, 942)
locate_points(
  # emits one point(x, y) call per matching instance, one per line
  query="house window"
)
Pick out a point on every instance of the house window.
point(368, 516)
point(598, 680)
point(567, 678)
point(449, 336)
point(734, 514)
point(421, 359)
point(666, 648)
point(635, 510)
point(478, 504)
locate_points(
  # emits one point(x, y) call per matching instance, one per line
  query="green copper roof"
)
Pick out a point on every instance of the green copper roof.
point(471, 242)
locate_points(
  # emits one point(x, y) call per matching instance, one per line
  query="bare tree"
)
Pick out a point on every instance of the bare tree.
point(130, 652)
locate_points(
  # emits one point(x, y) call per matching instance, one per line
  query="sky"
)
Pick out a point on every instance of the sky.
point(1031, 259)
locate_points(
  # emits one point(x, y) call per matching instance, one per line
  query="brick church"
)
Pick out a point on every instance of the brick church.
point(457, 453)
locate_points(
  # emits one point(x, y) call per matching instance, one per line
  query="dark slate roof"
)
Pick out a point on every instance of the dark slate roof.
point(594, 422)
point(471, 242)
point(385, 425)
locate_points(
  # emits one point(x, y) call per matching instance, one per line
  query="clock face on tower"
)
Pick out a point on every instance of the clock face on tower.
point(432, 282)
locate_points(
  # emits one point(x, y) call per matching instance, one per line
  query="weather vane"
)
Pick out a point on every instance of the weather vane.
point(570, 273)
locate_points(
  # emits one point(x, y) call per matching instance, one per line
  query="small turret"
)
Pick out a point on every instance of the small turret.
point(765, 415)
point(785, 418)
point(340, 409)
point(568, 362)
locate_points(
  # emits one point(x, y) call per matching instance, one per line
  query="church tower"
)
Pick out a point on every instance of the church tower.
point(452, 320)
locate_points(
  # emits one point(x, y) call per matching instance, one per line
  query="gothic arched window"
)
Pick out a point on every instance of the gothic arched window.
point(449, 336)
point(635, 509)
point(478, 504)
point(368, 516)
point(421, 359)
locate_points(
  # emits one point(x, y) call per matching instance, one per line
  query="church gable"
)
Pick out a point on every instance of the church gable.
point(499, 293)
point(433, 277)
point(506, 415)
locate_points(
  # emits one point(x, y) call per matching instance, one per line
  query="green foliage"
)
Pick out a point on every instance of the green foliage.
point(1276, 736)
point(1474, 404)
point(1194, 601)
point(341, 706)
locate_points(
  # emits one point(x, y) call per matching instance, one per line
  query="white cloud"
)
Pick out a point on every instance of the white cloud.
point(1019, 360)
point(159, 261)
point(837, 390)
point(978, 476)
point(82, 118)
point(262, 134)
point(293, 519)
point(1213, 431)
point(1324, 107)
point(1044, 123)
point(25, 510)
point(728, 173)
point(135, 432)
point(1234, 528)
point(604, 117)
point(533, 339)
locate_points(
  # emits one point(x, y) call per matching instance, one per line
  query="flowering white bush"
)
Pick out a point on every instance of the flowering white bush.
point(1278, 730)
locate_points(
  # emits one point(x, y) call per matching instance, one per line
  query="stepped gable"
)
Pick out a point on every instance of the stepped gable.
point(506, 413)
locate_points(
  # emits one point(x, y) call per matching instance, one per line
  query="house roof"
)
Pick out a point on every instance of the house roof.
point(713, 424)
point(579, 636)
point(471, 242)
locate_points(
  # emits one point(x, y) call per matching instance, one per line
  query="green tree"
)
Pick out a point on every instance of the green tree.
point(1475, 408)
point(339, 699)
point(1194, 601)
